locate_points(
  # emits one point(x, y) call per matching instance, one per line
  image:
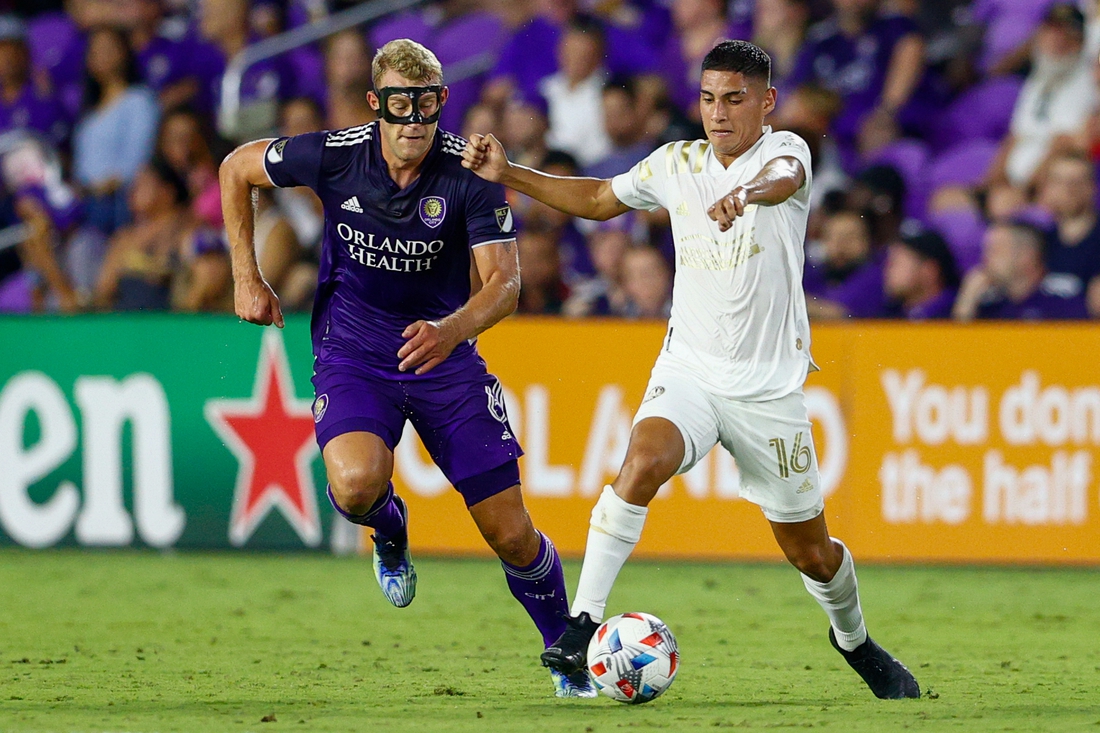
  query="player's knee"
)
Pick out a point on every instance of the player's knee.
point(814, 562)
point(516, 545)
point(357, 487)
point(644, 471)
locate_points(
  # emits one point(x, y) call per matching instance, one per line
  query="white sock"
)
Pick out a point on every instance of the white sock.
point(840, 600)
point(615, 528)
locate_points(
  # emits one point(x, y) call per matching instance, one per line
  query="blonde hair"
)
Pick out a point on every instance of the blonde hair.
point(409, 59)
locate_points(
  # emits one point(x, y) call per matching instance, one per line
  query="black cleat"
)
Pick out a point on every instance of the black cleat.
point(888, 678)
point(569, 654)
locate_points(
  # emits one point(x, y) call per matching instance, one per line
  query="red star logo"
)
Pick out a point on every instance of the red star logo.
point(271, 434)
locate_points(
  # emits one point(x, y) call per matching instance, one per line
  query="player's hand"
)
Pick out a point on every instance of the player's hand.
point(485, 156)
point(255, 302)
point(429, 343)
point(729, 207)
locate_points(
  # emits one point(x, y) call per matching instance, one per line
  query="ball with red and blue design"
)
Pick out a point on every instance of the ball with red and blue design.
point(633, 658)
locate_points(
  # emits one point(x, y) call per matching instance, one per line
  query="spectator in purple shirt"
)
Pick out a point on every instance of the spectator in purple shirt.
point(167, 63)
point(1009, 282)
point(875, 61)
point(1068, 192)
point(22, 104)
point(225, 25)
point(846, 282)
point(920, 277)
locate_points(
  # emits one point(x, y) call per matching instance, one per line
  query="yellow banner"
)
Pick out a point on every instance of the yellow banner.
point(936, 443)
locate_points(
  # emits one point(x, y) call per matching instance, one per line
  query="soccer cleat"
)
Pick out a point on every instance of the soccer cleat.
point(888, 678)
point(393, 565)
point(569, 653)
point(574, 685)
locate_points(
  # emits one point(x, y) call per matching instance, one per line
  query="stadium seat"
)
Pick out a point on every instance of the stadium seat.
point(964, 164)
point(963, 229)
point(983, 111)
point(1008, 24)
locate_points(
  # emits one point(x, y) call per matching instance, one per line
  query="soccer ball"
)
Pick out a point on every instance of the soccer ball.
point(633, 658)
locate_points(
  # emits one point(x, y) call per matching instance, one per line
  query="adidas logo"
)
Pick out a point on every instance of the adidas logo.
point(807, 485)
point(352, 204)
point(682, 209)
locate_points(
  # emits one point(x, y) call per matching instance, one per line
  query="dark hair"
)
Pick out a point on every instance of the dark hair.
point(929, 245)
point(741, 57)
point(589, 25)
point(168, 176)
point(93, 91)
point(625, 84)
point(559, 157)
point(216, 145)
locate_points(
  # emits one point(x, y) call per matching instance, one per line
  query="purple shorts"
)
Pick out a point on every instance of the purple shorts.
point(461, 419)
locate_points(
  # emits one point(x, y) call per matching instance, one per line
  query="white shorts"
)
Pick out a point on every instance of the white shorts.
point(771, 441)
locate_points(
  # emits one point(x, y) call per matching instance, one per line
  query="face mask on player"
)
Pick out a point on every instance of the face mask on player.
point(411, 105)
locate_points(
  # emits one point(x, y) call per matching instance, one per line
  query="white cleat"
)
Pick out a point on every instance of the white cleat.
point(393, 565)
point(574, 685)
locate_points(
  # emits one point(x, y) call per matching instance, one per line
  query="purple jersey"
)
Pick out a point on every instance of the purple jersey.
point(935, 308)
point(269, 80)
point(389, 256)
point(1039, 306)
point(38, 112)
point(166, 61)
point(862, 293)
point(1079, 263)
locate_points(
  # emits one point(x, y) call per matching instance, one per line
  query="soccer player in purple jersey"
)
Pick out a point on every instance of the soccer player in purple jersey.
point(395, 321)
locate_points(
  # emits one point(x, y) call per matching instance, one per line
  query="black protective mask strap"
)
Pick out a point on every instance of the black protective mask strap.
point(414, 94)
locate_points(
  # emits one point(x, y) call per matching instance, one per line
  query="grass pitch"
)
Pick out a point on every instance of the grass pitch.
point(146, 642)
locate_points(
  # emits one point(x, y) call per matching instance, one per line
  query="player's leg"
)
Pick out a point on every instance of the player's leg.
point(531, 564)
point(773, 445)
point(358, 422)
point(673, 429)
point(464, 425)
point(829, 575)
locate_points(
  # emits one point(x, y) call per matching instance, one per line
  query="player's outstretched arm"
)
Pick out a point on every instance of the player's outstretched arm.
point(240, 172)
point(776, 182)
point(588, 198)
point(430, 342)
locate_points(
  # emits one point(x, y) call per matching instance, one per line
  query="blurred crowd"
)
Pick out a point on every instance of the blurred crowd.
point(955, 144)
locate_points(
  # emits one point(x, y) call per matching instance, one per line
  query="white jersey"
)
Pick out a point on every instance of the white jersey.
point(738, 320)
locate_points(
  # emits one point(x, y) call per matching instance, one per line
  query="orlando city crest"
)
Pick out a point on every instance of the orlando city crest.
point(432, 210)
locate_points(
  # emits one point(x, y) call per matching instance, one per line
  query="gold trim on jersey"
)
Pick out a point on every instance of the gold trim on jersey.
point(700, 156)
point(685, 157)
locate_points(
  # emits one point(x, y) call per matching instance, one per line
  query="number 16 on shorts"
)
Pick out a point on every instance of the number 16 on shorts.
point(799, 460)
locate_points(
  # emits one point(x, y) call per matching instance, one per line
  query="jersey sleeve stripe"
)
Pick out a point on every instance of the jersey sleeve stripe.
point(670, 151)
point(266, 171)
point(492, 241)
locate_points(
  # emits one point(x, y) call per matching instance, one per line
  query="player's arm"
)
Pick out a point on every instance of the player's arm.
point(430, 342)
point(777, 181)
point(588, 198)
point(240, 172)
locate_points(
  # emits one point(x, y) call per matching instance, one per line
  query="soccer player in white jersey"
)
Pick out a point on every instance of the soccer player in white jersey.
point(736, 353)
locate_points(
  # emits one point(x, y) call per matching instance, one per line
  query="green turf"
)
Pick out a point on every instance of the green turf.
point(148, 642)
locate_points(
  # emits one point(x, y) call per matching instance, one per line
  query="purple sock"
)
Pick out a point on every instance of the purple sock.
point(384, 517)
point(540, 588)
